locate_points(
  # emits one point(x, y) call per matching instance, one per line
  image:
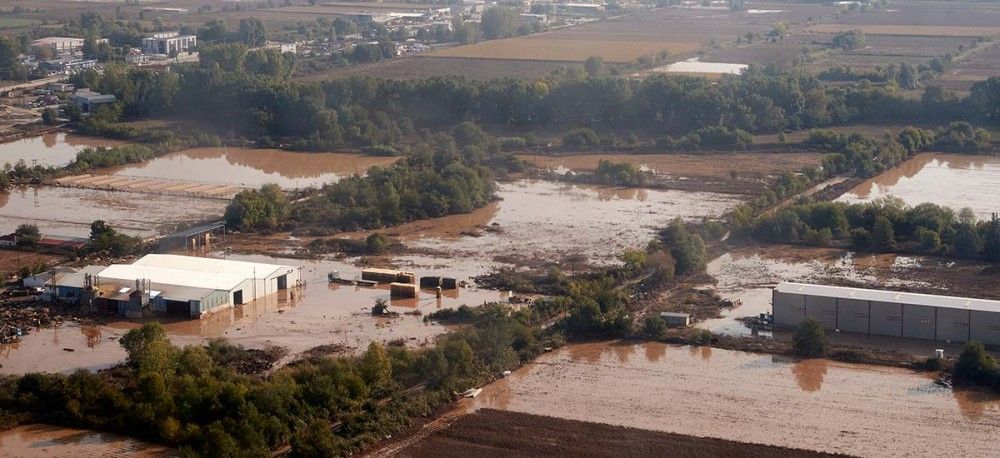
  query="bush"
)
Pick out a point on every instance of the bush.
point(581, 138)
point(975, 365)
point(380, 150)
point(654, 328)
point(257, 210)
point(810, 339)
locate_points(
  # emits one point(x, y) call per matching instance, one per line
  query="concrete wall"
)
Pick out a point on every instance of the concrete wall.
point(886, 319)
point(852, 315)
point(953, 325)
point(985, 327)
point(822, 309)
point(918, 322)
point(788, 309)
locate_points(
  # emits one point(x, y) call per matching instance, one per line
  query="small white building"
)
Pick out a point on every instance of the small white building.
point(58, 45)
point(169, 42)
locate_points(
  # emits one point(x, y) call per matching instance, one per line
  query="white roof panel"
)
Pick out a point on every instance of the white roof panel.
point(242, 269)
point(176, 277)
point(897, 297)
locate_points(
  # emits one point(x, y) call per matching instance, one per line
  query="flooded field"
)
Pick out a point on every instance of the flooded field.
point(315, 314)
point(55, 149)
point(685, 165)
point(701, 391)
point(252, 167)
point(547, 221)
point(54, 441)
point(694, 65)
point(69, 211)
point(952, 180)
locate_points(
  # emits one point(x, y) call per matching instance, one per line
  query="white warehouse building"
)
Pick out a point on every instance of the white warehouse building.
point(172, 284)
point(888, 313)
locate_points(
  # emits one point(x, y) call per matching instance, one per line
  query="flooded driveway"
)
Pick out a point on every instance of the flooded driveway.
point(54, 149)
point(252, 167)
point(55, 441)
point(951, 180)
point(69, 211)
point(701, 391)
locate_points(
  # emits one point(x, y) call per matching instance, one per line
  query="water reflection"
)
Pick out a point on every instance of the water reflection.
point(654, 351)
point(53, 149)
point(809, 373)
point(952, 180)
point(974, 403)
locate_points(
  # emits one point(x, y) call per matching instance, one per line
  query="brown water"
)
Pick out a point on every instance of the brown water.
point(53, 441)
point(318, 314)
point(548, 221)
point(811, 404)
point(747, 275)
point(951, 180)
point(54, 149)
point(69, 211)
point(253, 167)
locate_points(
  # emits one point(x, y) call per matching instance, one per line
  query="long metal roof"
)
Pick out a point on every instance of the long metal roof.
point(243, 269)
point(895, 297)
point(176, 277)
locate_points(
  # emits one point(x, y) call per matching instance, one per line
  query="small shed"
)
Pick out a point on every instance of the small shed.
point(676, 318)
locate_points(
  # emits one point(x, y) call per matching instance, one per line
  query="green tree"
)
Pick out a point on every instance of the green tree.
point(49, 116)
point(499, 22)
point(883, 234)
point(375, 367)
point(149, 350)
point(27, 236)
point(967, 242)
point(810, 339)
point(991, 239)
point(252, 32)
point(594, 66)
point(975, 365)
point(263, 209)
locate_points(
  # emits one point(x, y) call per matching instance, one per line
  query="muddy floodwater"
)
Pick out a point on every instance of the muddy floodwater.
point(54, 149)
point(253, 167)
point(53, 441)
point(951, 180)
point(548, 221)
point(702, 391)
point(69, 211)
point(315, 314)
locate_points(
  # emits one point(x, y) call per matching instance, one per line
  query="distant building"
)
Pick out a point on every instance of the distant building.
point(580, 9)
point(58, 45)
point(168, 42)
point(676, 318)
point(135, 56)
point(68, 65)
point(89, 100)
point(283, 47)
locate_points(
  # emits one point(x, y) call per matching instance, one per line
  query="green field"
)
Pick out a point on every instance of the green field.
point(15, 22)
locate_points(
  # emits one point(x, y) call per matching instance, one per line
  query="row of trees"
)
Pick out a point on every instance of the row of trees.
point(886, 225)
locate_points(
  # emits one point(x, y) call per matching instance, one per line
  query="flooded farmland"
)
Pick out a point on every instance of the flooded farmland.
point(542, 220)
point(69, 211)
point(952, 180)
point(54, 441)
point(706, 392)
point(54, 149)
point(316, 314)
point(252, 167)
point(694, 65)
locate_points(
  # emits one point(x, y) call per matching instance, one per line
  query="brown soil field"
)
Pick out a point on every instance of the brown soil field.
point(917, 30)
point(713, 165)
point(489, 432)
point(542, 47)
point(427, 67)
point(12, 260)
point(931, 13)
point(976, 67)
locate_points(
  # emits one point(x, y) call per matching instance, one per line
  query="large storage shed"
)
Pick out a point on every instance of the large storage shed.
point(888, 313)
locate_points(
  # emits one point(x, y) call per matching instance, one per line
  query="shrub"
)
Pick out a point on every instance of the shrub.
point(810, 339)
point(975, 365)
point(581, 138)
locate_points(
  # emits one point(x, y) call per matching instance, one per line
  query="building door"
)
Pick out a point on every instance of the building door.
point(238, 297)
point(283, 282)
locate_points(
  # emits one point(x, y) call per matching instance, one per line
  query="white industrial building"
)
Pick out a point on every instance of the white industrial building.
point(888, 313)
point(169, 42)
point(179, 285)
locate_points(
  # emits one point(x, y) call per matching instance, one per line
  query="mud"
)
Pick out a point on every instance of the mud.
point(69, 211)
point(252, 167)
point(490, 432)
point(54, 149)
point(54, 441)
point(301, 319)
point(951, 180)
point(693, 65)
point(745, 397)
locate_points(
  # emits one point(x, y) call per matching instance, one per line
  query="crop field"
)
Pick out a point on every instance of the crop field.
point(974, 68)
point(553, 49)
point(917, 30)
point(414, 67)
